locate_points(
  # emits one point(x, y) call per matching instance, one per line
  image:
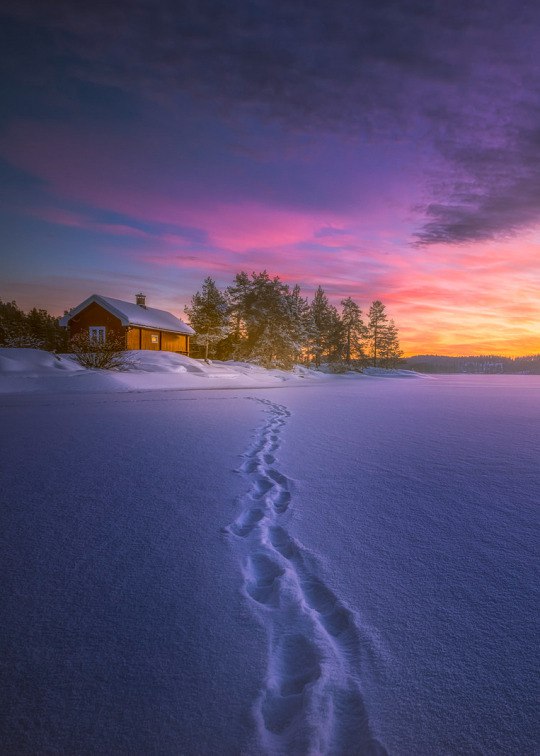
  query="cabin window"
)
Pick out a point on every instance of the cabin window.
point(97, 333)
point(155, 338)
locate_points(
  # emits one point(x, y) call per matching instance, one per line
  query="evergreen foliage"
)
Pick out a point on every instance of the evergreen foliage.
point(269, 323)
point(376, 327)
point(267, 320)
point(209, 316)
point(36, 329)
point(354, 330)
point(325, 333)
point(389, 350)
point(258, 318)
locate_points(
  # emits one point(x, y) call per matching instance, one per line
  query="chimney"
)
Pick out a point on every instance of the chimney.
point(140, 299)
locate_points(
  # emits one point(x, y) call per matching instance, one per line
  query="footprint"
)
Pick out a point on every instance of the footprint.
point(282, 501)
point(312, 701)
point(262, 486)
point(334, 617)
point(338, 622)
point(297, 663)
point(278, 477)
point(317, 595)
point(250, 466)
point(278, 713)
point(262, 572)
point(282, 542)
point(247, 521)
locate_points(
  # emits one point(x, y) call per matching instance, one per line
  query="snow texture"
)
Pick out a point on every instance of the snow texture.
point(343, 565)
point(312, 700)
point(33, 370)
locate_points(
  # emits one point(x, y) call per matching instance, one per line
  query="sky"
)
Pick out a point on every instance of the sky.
point(383, 150)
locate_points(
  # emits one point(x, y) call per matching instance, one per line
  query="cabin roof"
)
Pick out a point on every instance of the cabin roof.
point(131, 314)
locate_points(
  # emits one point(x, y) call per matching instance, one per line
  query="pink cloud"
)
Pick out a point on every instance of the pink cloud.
point(444, 298)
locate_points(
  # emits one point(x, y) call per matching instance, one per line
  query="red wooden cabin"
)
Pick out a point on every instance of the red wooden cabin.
point(142, 327)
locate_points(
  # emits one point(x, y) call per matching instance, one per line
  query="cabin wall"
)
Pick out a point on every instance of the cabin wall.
point(174, 342)
point(150, 339)
point(95, 315)
point(145, 338)
point(133, 340)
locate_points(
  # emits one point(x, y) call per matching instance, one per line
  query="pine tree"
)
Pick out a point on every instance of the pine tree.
point(377, 324)
point(36, 329)
point(300, 321)
point(13, 324)
point(389, 349)
point(335, 340)
point(354, 329)
point(237, 295)
point(45, 328)
point(209, 316)
point(268, 312)
point(266, 317)
point(321, 327)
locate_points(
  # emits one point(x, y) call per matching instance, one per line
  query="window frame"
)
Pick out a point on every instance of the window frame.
point(97, 334)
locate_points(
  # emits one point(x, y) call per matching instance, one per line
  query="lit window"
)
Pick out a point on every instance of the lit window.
point(155, 338)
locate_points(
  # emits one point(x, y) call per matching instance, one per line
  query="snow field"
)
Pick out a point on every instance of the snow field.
point(36, 371)
point(420, 500)
point(123, 627)
point(374, 587)
point(312, 701)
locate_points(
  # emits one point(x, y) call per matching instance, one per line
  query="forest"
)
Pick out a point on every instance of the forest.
point(263, 320)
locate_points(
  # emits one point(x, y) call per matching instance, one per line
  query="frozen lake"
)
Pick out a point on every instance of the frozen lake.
point(338, 568)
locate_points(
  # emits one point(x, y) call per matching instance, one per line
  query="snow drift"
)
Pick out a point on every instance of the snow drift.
point(34, 370)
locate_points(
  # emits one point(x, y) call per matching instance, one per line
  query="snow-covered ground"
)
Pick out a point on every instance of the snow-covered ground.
point(36, 371)
point(343, 565)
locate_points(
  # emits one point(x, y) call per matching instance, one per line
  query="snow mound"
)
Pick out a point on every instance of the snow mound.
point(169, 362)
point(156, 362)
point(256, 371)
point(34, 370)
point(35, 362)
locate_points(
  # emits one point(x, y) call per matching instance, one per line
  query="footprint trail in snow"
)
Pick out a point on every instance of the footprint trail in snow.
point(312, 700)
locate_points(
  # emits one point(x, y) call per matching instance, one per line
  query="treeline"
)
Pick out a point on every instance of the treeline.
point(36, 329)
point(485, 364)
point(262, 320)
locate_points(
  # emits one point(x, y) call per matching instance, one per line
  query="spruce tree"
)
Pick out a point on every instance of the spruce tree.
point(268, 311)
point(389, 349)
point(335, 340)
point(376, 326)
point(36, 329)
point(237, 296)
point(322, 325)
point(209, 317)
point(300, 321)
point(354, 329)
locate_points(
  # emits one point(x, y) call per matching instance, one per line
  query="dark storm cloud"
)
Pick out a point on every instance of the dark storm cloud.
point(459, 78)
point(498, 195)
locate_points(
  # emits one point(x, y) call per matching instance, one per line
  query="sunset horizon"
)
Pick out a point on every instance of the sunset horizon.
point(398, 167)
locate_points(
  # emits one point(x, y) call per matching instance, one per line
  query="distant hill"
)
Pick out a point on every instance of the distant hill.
point(434, 363)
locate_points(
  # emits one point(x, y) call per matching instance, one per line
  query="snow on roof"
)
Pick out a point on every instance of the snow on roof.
point(133, 314)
